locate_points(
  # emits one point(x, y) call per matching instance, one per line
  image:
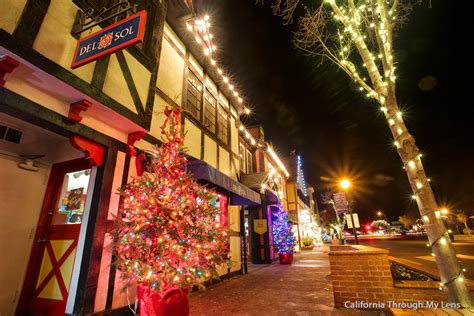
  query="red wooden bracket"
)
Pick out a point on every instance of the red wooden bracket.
point(7, 65)
point(94, 152)
point(75, 110)
point(132, 138)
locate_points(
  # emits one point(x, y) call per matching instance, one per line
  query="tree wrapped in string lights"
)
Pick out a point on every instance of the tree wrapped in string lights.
point(283, 238)
point(357, 36)
point(170, 233)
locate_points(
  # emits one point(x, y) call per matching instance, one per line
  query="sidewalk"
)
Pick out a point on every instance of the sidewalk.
point(302, 288)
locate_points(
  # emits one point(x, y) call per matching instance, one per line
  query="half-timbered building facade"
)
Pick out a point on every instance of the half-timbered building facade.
point(72, 132)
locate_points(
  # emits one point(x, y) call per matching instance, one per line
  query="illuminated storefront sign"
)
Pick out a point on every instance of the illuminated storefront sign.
point(110, 39)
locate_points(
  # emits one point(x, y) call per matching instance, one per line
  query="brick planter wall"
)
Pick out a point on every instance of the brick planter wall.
point(362, 274)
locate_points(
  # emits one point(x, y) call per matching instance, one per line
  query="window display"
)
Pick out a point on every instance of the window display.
point(72, 198)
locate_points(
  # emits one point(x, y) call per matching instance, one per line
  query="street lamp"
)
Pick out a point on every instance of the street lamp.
point(380, 213)
point(345, 184)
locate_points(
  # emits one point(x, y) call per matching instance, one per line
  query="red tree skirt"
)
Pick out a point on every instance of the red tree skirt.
point(171, 303)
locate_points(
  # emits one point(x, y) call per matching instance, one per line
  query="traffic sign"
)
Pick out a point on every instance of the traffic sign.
point(349, 220)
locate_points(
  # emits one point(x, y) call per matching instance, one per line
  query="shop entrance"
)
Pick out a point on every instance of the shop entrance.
point(45, 194)
point(58, 233)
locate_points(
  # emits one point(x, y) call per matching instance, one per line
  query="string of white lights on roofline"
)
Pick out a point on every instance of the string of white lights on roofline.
point(201, 31)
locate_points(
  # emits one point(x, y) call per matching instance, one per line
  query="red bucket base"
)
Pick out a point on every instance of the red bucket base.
point(285, 258)
point(172, 303)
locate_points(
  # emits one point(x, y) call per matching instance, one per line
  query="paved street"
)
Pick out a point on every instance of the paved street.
point(416, 251)
point(303, 288)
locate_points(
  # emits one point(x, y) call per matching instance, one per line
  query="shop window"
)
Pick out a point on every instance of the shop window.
point(245, 158)
point(193, 95)
point(210, 107)
point(73, 198)
point(222, 125)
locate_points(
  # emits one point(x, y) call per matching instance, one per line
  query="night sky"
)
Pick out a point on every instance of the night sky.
point(316, 110)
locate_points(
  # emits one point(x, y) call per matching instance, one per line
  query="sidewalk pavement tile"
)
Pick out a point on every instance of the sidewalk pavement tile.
point(302, 288)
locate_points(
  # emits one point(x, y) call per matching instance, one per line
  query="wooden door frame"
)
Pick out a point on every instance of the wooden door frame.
point(34, 113)
point(50, 198)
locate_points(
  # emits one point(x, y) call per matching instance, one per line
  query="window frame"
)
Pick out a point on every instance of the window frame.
point(199, 96)
point(248, 161)
point(221, 109)
point(211, 127)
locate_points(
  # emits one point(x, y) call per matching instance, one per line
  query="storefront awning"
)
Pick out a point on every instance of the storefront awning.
point(254, 181)
point(239, 193)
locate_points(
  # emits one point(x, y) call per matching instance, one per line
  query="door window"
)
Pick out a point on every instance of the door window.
point(72, 198)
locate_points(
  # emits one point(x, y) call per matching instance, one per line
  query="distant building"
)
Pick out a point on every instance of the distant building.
point(268, 175)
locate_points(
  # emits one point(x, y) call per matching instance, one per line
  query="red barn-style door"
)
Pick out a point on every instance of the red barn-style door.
point(50, 268)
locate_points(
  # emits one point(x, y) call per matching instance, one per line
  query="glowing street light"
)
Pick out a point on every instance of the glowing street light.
point(345, 184)
point(444, 211)
point(380, 213)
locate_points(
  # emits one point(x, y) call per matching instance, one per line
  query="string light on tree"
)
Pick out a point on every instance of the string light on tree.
point(170, 232)
point(359, 40)
point(283, 238)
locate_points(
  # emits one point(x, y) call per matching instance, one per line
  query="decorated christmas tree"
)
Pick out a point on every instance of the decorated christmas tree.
point(283, 238)
point(169, 233)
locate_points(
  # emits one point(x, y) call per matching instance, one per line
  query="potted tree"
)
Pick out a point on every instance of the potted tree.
point(169, 236)
point(283, 238)
point(307, 243)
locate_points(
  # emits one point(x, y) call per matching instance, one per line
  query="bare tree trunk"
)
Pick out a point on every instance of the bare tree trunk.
point(446, 261)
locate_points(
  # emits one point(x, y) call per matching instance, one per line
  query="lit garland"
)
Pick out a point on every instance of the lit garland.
point(170, 232)
point(283, 238)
